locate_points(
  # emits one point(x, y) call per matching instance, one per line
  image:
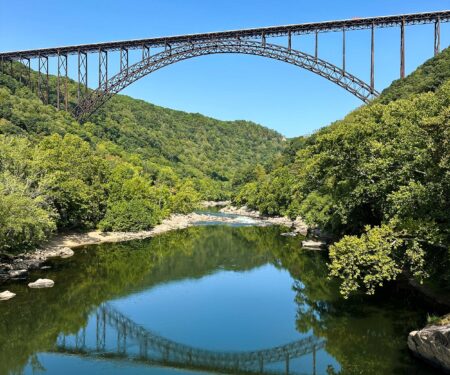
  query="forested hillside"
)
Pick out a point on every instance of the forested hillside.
point(126, 168)
point(379, 180)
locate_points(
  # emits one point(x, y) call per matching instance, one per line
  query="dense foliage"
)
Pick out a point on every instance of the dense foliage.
point(380, 177)
point(127, 168)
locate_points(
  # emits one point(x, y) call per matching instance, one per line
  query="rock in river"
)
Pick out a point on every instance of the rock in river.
point(6, 295)
point(66, 252)
point(42, 283)
point(314, 245)
point(289, 234)
point(432, 344)
point(17, 274)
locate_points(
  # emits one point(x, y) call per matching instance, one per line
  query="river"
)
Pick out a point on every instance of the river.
point(206, 299)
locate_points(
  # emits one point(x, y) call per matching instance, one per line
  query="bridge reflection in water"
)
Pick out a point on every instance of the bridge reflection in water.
point(119, 338)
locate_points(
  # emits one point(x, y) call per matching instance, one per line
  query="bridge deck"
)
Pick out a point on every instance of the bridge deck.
point(272, 31)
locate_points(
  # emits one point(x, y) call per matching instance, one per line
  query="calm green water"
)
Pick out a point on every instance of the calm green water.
point(231, 299)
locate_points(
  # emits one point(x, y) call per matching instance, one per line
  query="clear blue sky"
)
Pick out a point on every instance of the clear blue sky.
point(272, 93)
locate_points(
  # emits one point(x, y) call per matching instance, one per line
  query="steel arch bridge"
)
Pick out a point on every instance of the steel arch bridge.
point(173, 49)
point(119, 338)
point(124, 78)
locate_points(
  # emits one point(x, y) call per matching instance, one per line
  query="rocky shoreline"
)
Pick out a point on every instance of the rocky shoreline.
point(17, 267)
point(298, 226)
point(432, 344)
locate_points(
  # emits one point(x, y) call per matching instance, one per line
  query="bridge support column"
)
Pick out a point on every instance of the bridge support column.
point(261, 364)
point(101, 330)
point(287, 364)
point(263, 40)
point(124, 60)
point(166, 353)
point(143, 349)
point(19, 71)
point(372, 59)
point(145, 52)
point(122, 338)
point(24, 78)
point(62, 72)
point(103, 70)
point(316, 51)
point(343, 50)
point(27, 63)
point(314, 360)
point(80, 339)
point(402, 49)
point(289, 41)
point(82, 75)
point(437, 36)
point(168, 46)
point(43, 78)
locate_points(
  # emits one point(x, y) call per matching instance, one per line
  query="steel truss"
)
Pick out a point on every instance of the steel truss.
point(269, 32)
point(145, 52)
point(82, 75)
point(246, 41)
point(170, 56)
point(62, 76)
point(43, 87)
point(124, 60)
point(27, 63)
point(103, 69)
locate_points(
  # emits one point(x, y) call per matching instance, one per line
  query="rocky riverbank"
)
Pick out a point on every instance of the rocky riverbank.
point(298, 226)
point(432, 344)
point(16, 267)
point(317, 240)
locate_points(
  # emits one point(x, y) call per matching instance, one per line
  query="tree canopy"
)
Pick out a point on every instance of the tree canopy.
point(127, 168)
point(380, 177)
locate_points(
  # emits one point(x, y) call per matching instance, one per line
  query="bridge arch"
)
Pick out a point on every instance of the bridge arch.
point(147, 347)
point(96, 98)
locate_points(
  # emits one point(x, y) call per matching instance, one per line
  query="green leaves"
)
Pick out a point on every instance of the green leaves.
point(71, 177)
point(23, 221)
point(366, 261)
point(386, 166)
point(127, 168)
point(132, 215)
point(185, 200)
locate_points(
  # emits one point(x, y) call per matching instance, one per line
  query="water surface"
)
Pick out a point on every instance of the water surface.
point(231, 299)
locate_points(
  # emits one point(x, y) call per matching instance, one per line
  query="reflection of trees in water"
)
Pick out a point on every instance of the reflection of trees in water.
point(34, 319)
point(366, 334)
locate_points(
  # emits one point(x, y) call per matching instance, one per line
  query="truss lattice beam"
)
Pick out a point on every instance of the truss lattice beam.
point(170, 56)
point(272, 31)
point(62, 81)
point(43, 87)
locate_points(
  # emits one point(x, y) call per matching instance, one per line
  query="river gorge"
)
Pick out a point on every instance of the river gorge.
point(215, 297)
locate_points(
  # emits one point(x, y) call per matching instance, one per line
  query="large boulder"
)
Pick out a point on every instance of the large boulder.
point(42, 283)
point(6, 295)
point(433, 345)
